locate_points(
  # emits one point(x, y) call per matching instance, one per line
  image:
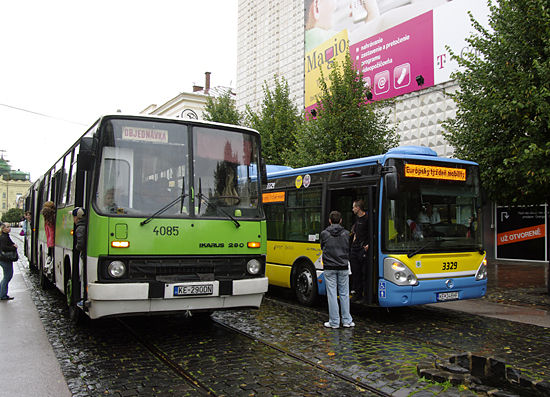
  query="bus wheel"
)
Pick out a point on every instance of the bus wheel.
point(75, 313)
point(305, 284)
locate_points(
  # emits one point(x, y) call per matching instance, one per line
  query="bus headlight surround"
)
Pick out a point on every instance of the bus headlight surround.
point(253, 266)
point(398, 273)
point(482, 271)
point(116, 269)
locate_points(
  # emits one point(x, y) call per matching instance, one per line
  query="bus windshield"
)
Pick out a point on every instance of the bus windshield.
point(146, 170)
point(433, 215)
point(226, 167)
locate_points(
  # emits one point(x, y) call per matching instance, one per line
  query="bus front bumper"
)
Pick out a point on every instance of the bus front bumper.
point(144, 298)
point(430, 291)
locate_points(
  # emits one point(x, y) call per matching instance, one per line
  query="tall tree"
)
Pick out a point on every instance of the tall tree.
point(276, 122)
point(503, 116)
point(346, 125)
point(222, 109)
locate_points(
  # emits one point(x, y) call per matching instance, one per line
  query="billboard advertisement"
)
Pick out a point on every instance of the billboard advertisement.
point(521, 233)
point(400, 45)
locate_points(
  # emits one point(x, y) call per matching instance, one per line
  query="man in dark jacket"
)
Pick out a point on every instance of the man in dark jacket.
point(79, 215)
point(358, 254)
point(335, 246)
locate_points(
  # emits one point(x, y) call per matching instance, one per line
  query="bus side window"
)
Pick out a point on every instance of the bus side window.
point(297, 228)
point(275, 216)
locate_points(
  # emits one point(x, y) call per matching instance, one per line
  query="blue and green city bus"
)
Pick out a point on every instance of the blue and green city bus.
point(174, 218)
point(412, 260)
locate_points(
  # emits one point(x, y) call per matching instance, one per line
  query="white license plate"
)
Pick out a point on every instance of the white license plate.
point(447, 296)
point(202, 289)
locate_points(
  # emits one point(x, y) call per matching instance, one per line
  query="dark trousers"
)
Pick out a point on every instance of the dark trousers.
point(358, 262)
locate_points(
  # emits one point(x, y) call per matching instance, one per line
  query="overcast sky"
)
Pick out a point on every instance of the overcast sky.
point(73, 61)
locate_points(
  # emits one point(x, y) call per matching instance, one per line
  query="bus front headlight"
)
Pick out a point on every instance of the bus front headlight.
point(253, 266)
point(398, 273)
point(116, 269)
point(482, 271)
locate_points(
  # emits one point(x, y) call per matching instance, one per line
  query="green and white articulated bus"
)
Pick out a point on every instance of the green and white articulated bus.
point(174, 218)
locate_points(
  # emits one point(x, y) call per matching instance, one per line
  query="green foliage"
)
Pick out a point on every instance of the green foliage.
point(347, 126)
point(13, 215)
point(276, 122)
point(222, 109)
point(445, 385)
point(503, 116)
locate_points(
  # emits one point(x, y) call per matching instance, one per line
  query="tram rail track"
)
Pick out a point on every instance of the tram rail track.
point(204, 390)
point(193, 381)
point(297, 357)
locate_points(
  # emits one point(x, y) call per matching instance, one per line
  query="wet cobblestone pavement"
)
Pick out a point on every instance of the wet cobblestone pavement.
point(382, 351)
point(522, 284)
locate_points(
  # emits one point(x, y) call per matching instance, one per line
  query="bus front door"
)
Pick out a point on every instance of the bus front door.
point(341, 198)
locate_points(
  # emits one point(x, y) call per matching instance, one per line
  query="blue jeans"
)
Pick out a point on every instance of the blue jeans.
point(7, 267)
point(338, 284)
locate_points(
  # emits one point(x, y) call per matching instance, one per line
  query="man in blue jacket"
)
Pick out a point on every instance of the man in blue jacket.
point(335, 246)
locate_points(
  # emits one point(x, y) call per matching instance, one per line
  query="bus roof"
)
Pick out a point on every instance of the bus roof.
point(173, 118)
point(405, 152)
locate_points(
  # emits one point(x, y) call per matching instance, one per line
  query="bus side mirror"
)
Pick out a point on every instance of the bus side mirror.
point(263, 172)
point(391, 183)
point(86, 153)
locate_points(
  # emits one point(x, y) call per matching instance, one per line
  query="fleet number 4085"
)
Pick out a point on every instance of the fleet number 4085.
point(166, 230)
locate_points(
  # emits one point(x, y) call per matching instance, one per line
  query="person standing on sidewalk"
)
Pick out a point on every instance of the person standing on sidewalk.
point(358, 254)
point(48, 212)
point(335, 246)
point(6, 245)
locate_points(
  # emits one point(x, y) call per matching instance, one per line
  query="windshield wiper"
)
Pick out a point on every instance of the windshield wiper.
point(210, 204)
point(437, 239)
point(163, 209)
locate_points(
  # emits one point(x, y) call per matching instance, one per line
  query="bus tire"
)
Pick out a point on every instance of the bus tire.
point(305, 284)
point(77, 315)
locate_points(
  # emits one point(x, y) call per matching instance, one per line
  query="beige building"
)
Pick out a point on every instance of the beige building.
point(187, 105)
point(13, 187)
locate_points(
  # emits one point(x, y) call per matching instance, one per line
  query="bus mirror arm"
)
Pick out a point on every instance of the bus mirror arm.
point(263, 172)
point(88, 147)
point(391, 182)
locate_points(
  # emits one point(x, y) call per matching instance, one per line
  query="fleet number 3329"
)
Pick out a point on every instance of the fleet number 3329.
point(450, 265)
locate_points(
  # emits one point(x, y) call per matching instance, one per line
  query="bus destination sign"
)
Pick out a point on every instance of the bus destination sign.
point(275, 197)
point(145, 134)
point(432, 172)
